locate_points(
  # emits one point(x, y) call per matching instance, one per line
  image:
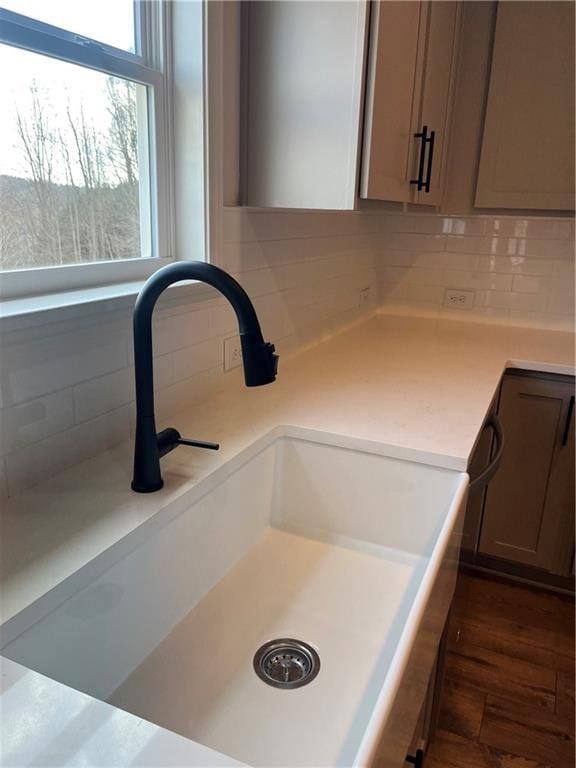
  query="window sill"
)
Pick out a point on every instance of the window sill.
point(30, 311)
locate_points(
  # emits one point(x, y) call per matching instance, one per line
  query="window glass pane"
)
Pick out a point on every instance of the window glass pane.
point(108, 21)
point(73, 151)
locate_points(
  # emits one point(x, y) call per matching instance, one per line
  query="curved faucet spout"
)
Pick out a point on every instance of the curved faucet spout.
point(260, 362)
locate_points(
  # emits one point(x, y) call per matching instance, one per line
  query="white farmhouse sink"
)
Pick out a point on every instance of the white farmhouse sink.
point(351, 552)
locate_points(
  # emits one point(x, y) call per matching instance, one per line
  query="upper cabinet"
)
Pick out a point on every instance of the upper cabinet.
point(527, 158)
point(303, 69)
point(411, 69)
point(465, 106)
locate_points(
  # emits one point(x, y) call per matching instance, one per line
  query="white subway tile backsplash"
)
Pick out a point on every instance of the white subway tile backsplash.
point(462, 226)
point(511, 246)
point(527, 302)
point(222, 321)
point(560, 299)
point(39, 461)
point(105, 393)
point(564, 270)
point(549, 249)
point(520, 269)
point(530, 284)
point(438, 259)
point(186, 393)
point(37, 368)
point(35, 420)
point(476, 280)
point(420, 294)
point(548, 229)
point(189, 328)
point(201, 357)
point(417, 242)
point(518, 265)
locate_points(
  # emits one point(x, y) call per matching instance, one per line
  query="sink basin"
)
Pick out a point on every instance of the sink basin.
point(351, 552)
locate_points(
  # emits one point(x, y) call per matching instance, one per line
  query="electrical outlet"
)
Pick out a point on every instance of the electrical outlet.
point(232, 353)
point(365, 297)
point(458, 299)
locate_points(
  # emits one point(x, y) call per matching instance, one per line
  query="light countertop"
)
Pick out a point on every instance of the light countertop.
point(416, 389)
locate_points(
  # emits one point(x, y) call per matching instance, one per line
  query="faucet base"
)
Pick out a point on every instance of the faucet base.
point(146, 488)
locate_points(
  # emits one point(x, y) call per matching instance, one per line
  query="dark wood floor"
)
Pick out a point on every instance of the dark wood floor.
point(508, 697)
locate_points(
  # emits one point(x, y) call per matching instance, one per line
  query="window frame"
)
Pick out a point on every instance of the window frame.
point(150, 66)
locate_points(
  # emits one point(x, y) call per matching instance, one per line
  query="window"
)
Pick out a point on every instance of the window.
point(84, 139)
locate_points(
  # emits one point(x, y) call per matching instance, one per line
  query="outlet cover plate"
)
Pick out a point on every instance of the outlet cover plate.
point(232, 353)
point(458, 299)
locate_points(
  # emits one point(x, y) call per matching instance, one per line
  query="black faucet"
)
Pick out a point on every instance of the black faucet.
point(260, 363)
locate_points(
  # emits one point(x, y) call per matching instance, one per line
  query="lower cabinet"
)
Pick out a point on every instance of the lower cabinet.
point(523, 522)
point(428, 719)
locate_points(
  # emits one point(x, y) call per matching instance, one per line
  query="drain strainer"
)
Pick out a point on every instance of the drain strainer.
point(286, 663)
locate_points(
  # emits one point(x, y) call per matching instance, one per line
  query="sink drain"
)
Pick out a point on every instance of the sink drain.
point(286, 663)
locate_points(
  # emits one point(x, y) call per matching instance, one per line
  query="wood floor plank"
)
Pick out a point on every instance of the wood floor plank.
point(526, 731)
point(522, 643)
point(511, 646)
point(452, 751)
point(536, 617)
point(494, 673)
point(565, 708)
point(461, 709)
point(502, 591)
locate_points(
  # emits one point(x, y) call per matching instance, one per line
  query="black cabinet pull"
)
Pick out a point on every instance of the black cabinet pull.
point(423, 135)
point(426, 139)
point(417, 759)
point(488, 473)
point(568, 420)
point(430, 158)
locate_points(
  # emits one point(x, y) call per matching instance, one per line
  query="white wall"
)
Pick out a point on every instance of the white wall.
point(521, 269)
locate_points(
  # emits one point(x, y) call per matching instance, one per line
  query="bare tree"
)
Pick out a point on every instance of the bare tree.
point(79, 198)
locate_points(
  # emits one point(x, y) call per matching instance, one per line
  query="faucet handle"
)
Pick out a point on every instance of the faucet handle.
point(199, 444)
point(170, 438)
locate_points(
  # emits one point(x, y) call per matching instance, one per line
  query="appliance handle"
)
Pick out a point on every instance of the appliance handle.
point(568, 420)
point(488, 473)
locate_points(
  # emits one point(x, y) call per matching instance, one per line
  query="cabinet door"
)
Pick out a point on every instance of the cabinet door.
point(303, 80)
point(394, 40)
point(409, 84)
point(529, 504)
point(441, 21)
point(527, 158)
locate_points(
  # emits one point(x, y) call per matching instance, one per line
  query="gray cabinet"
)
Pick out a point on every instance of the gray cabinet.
point(526, 516)
point(411, 66)
point(527, 158)
point(529, 504)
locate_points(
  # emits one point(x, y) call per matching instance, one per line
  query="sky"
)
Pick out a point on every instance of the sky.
point(108, 21)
